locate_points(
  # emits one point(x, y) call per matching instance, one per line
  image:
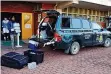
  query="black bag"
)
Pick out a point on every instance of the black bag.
point(14, 60)
point(35, 56)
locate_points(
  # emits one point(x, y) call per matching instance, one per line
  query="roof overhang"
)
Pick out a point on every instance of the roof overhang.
point(94, 6)
point(66, 4)
point(71, 3)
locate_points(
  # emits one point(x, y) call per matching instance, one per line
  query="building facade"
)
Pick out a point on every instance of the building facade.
point(28, 14)
point(91, 9)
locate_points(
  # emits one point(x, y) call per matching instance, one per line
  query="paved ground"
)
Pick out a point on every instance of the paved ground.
point(90, 60)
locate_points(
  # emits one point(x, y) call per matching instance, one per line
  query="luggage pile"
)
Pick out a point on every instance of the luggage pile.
point(19, 61)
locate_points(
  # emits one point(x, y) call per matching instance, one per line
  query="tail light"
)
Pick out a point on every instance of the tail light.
point(57, 37)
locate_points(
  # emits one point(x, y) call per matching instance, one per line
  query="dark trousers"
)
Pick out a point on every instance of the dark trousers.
point(2, 36)
point(7, 36)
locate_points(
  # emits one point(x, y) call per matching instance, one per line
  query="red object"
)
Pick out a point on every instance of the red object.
point(46, 20)
point(47, 6)
point(103, 24)
point(57, 37)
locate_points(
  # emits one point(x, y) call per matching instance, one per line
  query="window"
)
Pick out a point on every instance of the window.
point(96, 26)
point(86, 24)
point(65, 23)
point(76, 23)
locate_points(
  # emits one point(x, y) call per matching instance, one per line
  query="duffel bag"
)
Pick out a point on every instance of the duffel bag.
point(14, 60)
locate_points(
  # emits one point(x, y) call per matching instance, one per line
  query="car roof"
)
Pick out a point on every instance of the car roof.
point(73, 17)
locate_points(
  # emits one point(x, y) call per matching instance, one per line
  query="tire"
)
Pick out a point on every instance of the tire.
point(107, 42)
point(75, 47)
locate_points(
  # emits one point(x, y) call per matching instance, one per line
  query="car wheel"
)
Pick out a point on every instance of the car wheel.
point(75, 47)
point(107, 42)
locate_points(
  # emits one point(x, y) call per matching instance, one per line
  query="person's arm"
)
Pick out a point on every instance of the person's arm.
point(2, 24)
point(11, 25)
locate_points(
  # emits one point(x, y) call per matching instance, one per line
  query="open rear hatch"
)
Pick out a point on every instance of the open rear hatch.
point(46, 27)
point(51, 12)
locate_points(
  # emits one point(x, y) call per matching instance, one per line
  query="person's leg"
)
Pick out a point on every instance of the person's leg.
point(6, 31)
point(12, 41)
point(5, 36)
point(2, 35)
point(8, 35)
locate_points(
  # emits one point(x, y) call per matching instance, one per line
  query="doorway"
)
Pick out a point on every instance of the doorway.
point(9, 15)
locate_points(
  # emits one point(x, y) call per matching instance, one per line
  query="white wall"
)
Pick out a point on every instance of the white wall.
point(102, 2)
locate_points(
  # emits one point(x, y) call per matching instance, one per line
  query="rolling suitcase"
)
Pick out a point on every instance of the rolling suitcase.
point(14, 60)
point(35, 56)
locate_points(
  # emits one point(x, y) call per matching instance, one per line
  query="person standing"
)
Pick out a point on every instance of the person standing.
point(12, 31)
point(5, 25)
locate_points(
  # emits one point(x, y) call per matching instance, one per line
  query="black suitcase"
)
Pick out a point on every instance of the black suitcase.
point(34, 56)
point(14, 60)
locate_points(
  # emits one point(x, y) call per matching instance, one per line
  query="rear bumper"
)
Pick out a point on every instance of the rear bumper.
point(58, 45)
point(62, 45)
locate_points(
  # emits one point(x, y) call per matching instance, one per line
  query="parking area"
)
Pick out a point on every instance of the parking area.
point(90, 60)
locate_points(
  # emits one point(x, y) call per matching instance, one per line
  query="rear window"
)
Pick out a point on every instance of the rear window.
point(65, 23)
point(76, 23)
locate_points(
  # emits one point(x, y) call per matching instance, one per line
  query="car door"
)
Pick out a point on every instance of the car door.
point(98, 35)
point(65, 29)
point(87, 33)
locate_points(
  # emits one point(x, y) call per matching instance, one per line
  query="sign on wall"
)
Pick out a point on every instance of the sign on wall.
point(26, 25)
